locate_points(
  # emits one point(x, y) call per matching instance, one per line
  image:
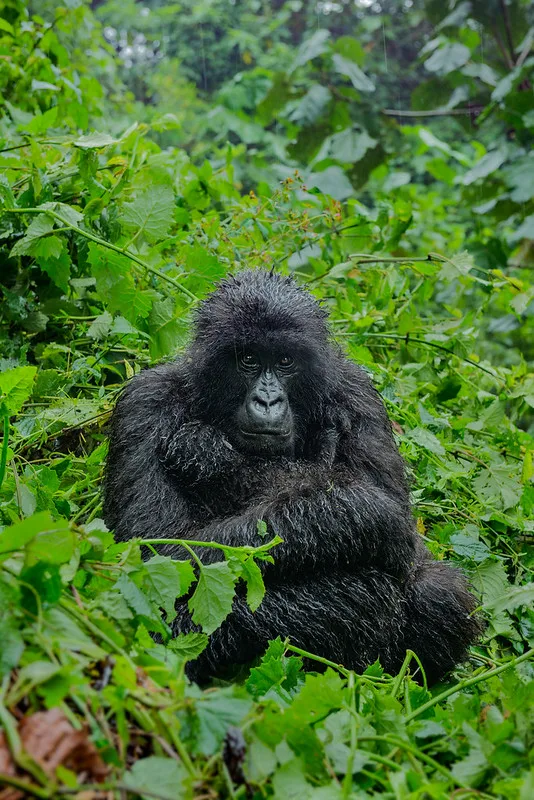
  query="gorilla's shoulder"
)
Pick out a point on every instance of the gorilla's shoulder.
point(155, 386)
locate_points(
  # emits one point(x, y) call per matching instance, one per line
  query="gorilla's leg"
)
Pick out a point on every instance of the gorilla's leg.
point(440, 624)
point(351, 620)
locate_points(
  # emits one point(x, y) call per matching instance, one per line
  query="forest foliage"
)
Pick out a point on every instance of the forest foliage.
point(383, 155)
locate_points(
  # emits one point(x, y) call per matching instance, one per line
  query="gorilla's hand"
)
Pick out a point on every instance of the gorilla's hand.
point(198, 453)
point(336, 426)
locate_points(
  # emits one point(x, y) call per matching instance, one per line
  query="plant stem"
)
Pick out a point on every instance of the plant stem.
point(319, 659)
point(347, 780)
point(109, 246)
point(29, 789)
point(465, 684)
point(3, 455)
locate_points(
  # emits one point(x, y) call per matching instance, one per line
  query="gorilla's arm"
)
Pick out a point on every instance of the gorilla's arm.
point(328, 520)
point(345, 515)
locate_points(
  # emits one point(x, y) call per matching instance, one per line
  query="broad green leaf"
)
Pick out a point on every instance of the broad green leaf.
point(524, 231)
point(490, 581)
point(150, 213)
point(15, 388)
point(167, 774)
point(448, 58)
point(166, 327)
point(255, 586)
point(498, 487)
point(57, 267)
point(332, 181)
point(213, 596)
point(347, 146)
point(515, 597)
point(312, 105)
point(164, 580)
point(12, 644)
point(94, 141)
point(216, 713)
point(427, 440)
point(40, 226)
point(487, 165)
point(53, 546)
point(136, 599)
point(469, 546)
point(352, 71)
point(315, 46)
point(188, 645)
point(101, 326)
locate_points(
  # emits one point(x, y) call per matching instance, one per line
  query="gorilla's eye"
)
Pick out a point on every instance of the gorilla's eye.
point(249, 361)
point(285, 362)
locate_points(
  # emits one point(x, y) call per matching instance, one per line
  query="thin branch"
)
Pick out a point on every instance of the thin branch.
point(29, 789)
point(364, 258)
point(509, 62)
point(524, 53)
point(407, 339)
point(452, 112)
point(3, 454)
point(508, 27)
point(106, 244)
point(484, 676)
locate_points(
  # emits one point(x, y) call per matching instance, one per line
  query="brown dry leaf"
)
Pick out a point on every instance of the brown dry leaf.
point(49, 739)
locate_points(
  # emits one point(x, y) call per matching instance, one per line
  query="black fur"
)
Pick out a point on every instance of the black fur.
point(352, 580)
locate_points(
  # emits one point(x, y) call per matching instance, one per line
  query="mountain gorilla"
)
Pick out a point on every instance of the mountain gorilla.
point(264, 418)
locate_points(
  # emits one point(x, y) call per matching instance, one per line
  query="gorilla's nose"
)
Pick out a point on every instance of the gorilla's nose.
point(267, 409)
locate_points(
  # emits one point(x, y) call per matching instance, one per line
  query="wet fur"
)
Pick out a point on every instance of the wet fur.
point(352, 581)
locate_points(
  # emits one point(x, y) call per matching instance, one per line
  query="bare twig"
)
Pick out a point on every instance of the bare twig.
point(436, 112)
point(507, 27)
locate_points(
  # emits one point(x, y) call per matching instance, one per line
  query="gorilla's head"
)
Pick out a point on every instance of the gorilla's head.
point(261, 362)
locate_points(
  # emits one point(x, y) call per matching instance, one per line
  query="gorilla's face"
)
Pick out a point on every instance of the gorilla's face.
point(264, 422)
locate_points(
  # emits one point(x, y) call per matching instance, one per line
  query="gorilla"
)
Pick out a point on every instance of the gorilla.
point(264, 418)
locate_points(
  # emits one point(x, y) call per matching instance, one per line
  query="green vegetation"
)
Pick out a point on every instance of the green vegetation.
point(384, 156)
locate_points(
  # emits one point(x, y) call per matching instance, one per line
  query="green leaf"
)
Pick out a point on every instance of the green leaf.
point(12, 645)
point(216, 713)
point(274, 670)
point(490, 581)
point(254, 580)
point(487, 165)
point(188, 645)
point(315, 46)
point(524, 231)
point(213, 596)
point(15, 388)
point(53, 546)
point(448, 58)
point(167, 330)
point(331, 181)
point(320, 695)
point(515, 597)
point(498, 487)
point(467, 545)
point(167, 774)
point(151, 212)
point(427, 440)
point(40, 226)
point(312, 105)
point(101, 326)
point(94, 141)
point(352, 71)
point(164, 580)
point(136, 599)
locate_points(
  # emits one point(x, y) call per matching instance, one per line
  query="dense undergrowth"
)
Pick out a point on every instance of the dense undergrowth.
point(108, 237)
